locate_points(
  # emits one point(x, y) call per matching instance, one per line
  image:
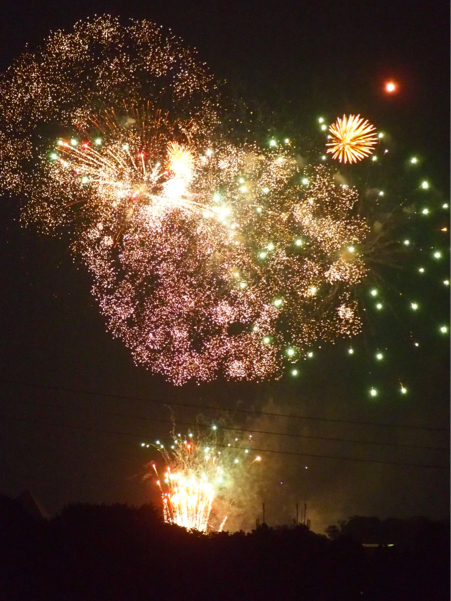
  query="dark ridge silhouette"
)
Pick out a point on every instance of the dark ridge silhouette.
point(121, 553)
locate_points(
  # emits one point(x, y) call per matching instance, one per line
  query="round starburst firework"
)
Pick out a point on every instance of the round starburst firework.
point(353, 139)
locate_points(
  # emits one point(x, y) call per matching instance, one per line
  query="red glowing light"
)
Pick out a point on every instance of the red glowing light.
point(391, 87)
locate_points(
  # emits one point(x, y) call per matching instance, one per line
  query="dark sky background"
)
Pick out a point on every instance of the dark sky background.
point(294, 61)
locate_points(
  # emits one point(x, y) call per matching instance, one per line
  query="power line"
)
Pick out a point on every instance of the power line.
point(291, 453)
point(248, 430)
point(210, 407)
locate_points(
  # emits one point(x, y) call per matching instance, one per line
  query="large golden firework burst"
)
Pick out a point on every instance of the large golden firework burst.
point(353, 139)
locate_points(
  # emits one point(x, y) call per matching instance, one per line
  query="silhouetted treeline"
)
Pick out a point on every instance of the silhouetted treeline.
point(395, 531)
point(118, 553)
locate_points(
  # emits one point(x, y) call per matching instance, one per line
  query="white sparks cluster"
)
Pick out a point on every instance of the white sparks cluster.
point(206, 256)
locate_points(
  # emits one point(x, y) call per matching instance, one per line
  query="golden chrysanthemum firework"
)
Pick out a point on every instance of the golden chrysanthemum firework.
point(353, 139)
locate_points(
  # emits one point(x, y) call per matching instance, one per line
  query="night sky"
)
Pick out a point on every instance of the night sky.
point(291, 62)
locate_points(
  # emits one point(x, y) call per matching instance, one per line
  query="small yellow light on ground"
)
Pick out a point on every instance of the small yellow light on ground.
point(414, 306)
point(437, 255)
point(444, 329)
point(446, 282)
point(273, 143)
point(310, 354)
point(374, 292)
point(262, 255)
point(379, 356)
point(406, 242)
point(304, 181)
point(425, 211)
point(266, 339)
point(425, 185)
point(98, 141)
point(323, 127)
point(278, 302)
point(414, 160)
point(294, 372)
point(321, 120)
point(379, 306)
point(403, 390)
point(351, 351)
point(421, 269)
point(373, 392)
point(290, 352)
point(298, 242)
point(351, 249)
point(270, 246)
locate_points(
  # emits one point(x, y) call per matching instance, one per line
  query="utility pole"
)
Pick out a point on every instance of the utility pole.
point(305, 513)
point(297, 514)
point(264, 514)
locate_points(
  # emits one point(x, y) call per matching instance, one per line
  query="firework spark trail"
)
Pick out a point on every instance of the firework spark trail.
point(206, 256)
point(199, 471)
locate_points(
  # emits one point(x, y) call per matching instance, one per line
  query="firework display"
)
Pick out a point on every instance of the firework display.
point(198, 471)
point(353, 139)
point(207, 256)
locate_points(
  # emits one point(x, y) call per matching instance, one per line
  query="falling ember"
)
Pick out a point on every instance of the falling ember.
point(391, 87)
point(353, 139)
